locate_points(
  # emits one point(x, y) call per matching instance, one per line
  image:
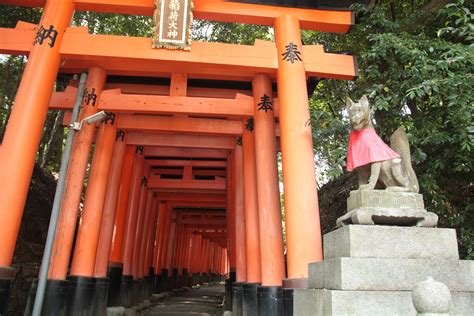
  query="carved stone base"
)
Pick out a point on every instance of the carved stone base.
point(377, 207)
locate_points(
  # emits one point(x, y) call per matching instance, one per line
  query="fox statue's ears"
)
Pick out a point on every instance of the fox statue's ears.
point(364, 101)
point(349, 103)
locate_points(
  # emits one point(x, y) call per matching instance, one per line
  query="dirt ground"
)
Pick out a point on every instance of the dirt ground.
point(32, 236)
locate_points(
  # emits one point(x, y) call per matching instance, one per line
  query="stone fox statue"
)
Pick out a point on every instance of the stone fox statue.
point(374, 160)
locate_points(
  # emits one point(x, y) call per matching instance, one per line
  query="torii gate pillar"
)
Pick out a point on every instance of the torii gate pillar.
point(24, 130)
point(269, 225)
point(303, 232)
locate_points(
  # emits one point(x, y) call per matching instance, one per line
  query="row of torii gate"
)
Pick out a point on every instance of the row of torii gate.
point(183, 184)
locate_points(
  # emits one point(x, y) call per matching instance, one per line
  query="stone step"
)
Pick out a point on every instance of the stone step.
point(389, 274)
point(205, 300)
point(362, 241)
point(310, 302)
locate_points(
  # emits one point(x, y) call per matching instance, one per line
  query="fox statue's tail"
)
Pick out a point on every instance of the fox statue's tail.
point(399, 143)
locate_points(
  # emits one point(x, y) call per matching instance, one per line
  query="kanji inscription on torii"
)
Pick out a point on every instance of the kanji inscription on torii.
point(173, 20)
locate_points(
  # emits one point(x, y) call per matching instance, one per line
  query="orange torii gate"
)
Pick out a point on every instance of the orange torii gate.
point(130, 198)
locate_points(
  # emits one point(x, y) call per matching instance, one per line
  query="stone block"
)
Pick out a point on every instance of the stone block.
point(389, 274)
point(116, 311)
point(311, 302)
point(384, 199)
point(381, 207)
point(365, 241)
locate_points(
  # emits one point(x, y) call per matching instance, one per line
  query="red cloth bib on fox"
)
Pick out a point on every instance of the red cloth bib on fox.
point(365, 147)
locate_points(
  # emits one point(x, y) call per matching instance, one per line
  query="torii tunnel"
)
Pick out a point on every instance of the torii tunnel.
point(183, 186)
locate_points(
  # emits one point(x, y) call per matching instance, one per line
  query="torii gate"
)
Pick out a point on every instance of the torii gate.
point(249, 182)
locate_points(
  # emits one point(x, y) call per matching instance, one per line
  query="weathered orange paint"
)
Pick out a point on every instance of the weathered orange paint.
point(198, 203)
point(187, 256)
point(215, 257)
point(152, 233)
point(212, 235)
point(145, 200)
point(183, 163)
point(134, 56)
point(181, 140)
point(166, 238)
point(184, 251)
point(25, 126)
point(165, 90)
point(186, 152)
point(115, 255)
point(235, 106)
point(230, 208)
point(143, 233)
point(175, 242)
point(181, 250)
point(222, 262)
point(110, 206)
point(129, 104)
point(226, 262)
point(269, 210)
point(205, 267)
point(216, 225)
point(162, 218)
point(239, 219)
point(171, 242)
point(211, 256)
point(189, 197)
point(303, 233)
point(191, 256)
point(149, 123)
point(219, 261)
point(215, 173)
point(206, 258)
point(235, 62)
point(156, 183)
point(251, 228)
point(194, 253)
point(75, 180)
point(201, 254)
point(192, 222)
point(233, 201)
point(179, 85)
point(87, 238)
point(198, 255)
point(132, 214)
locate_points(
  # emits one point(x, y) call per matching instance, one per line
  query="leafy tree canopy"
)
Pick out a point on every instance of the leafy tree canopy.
point(416, 65)
point(416, 62)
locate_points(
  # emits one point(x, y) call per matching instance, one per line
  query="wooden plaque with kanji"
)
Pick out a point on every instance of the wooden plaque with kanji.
point(173, 20)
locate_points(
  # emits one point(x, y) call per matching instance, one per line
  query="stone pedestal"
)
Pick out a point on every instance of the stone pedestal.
point(371, 270)
point(381, 207)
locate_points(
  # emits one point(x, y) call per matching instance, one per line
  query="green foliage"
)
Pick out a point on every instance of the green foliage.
point(416, 66)
point(234, 33)
point(11, 70)
point(10, 15)
point(458, 22)
point(115, 24)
